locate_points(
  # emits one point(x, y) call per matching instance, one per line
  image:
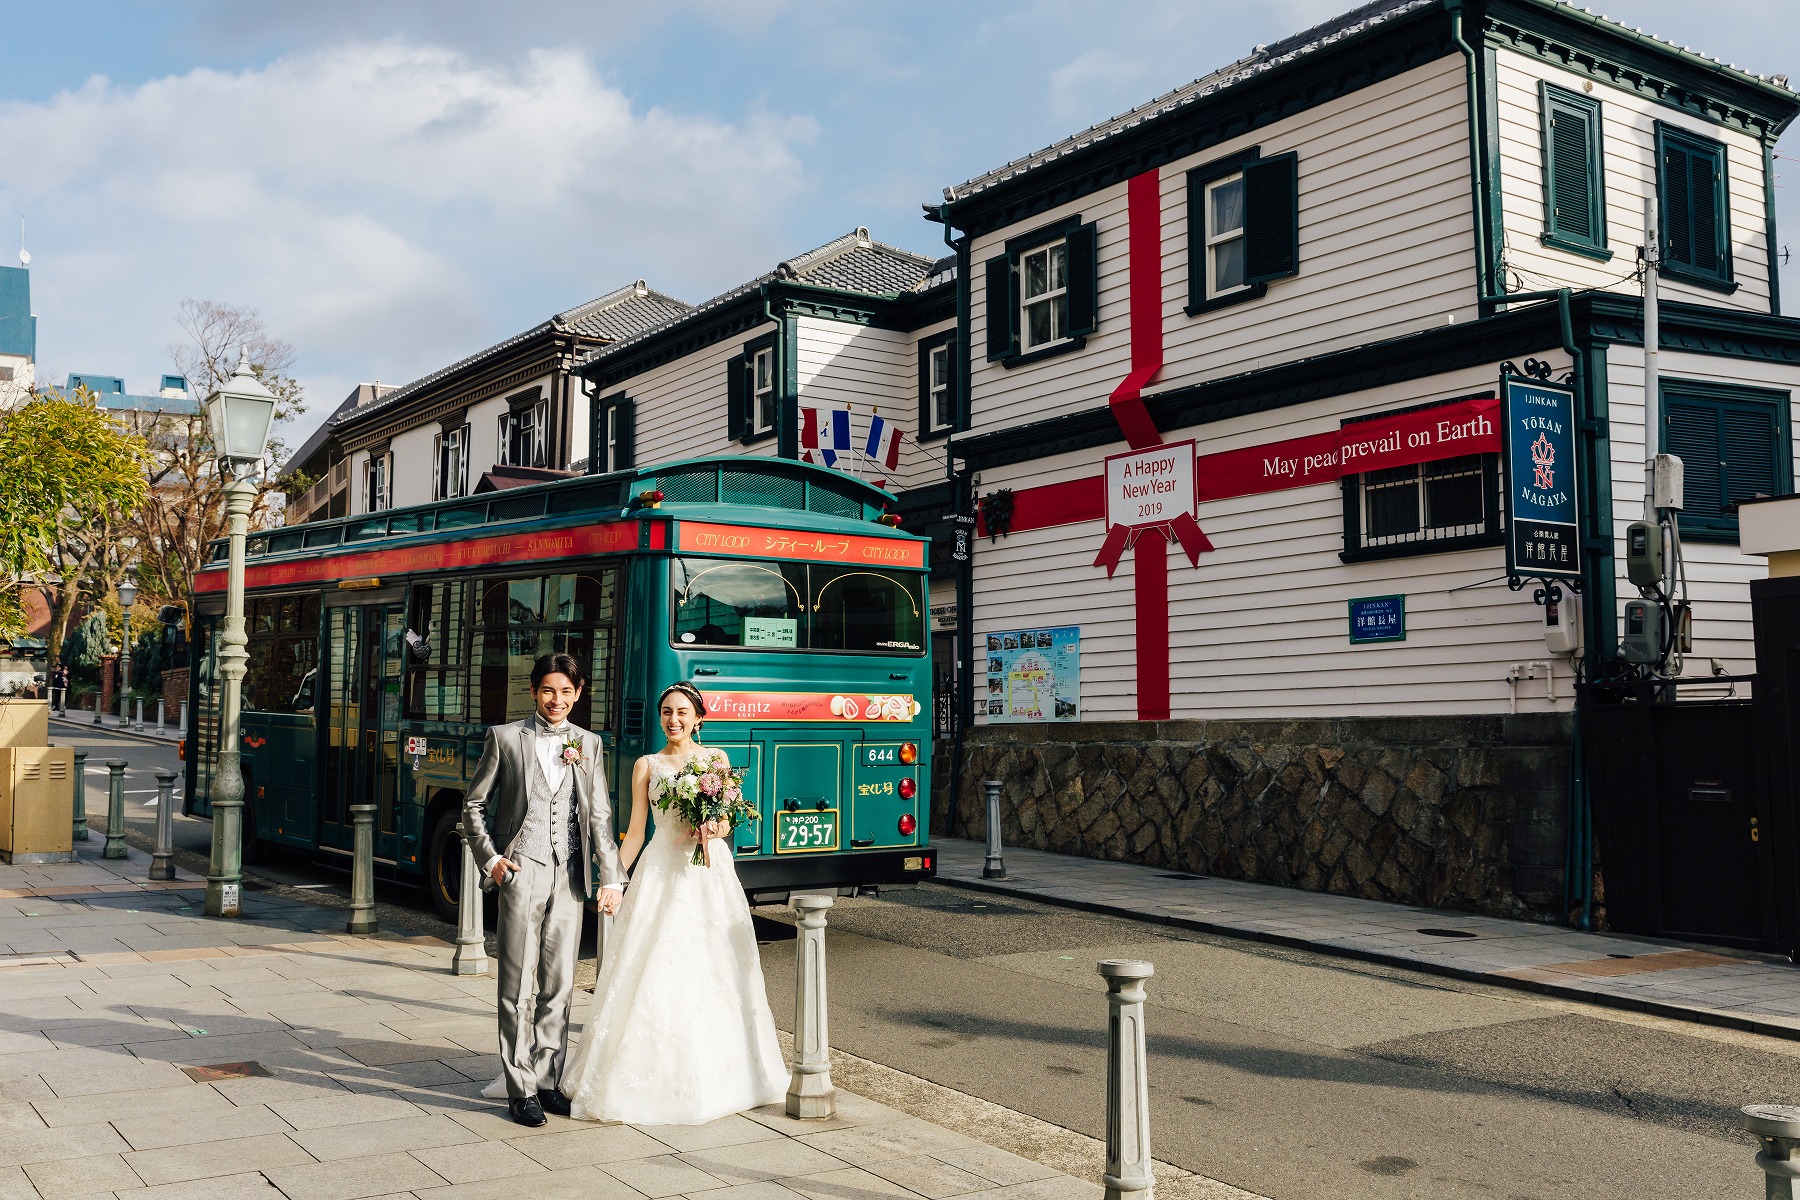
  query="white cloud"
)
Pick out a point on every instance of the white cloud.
point(388, 207)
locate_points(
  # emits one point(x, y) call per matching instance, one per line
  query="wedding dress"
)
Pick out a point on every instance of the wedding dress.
point(680, 1031)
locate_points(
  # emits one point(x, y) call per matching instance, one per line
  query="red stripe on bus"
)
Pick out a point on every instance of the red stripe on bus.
point(805, 547)
point(611, 538)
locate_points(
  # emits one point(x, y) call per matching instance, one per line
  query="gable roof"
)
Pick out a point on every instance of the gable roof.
point(855, 263)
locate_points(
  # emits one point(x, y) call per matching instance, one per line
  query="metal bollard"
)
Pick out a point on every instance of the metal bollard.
point(995, 867)
point(162, 861)
point(115, 809)
point(810, 1095)
point(471, 944)
point(1777, 1128)
point(1128, 1174)
point(81, 829)
point(362, 871)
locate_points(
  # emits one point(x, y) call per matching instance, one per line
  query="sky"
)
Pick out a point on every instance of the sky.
point(395, 185)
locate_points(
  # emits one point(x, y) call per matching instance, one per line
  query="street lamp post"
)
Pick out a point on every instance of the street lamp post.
point(238, 416)
point(127, 595)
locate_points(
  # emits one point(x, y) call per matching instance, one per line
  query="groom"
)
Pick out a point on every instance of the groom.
point(538, 817)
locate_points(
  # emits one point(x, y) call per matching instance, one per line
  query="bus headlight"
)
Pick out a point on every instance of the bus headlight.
point(909, 753)
point(908, 823)
point(909, 788)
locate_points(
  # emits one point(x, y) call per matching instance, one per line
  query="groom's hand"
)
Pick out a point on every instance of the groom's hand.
point(609, 901)
point(501, 866)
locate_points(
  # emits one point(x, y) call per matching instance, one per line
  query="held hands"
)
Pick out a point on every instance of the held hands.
point(609, 901)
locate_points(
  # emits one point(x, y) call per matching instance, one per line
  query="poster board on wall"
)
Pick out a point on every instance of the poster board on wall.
point(1034, 675)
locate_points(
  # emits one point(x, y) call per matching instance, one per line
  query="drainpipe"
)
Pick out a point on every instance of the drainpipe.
point(1478, 192)
point(962, 672)
point(786, 438)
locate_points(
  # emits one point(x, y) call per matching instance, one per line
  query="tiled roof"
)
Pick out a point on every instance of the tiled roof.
point(1260, 61)
point(854, 263)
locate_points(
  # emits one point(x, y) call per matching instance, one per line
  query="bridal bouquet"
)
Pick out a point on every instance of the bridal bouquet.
point(706, 789)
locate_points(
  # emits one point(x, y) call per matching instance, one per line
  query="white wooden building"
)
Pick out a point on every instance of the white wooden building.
point(1326, 232)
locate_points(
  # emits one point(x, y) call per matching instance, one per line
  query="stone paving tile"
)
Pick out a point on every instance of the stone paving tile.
point(374, 1137)
point(120, 1072)
point(474, 1161)
point(490, 1121)
point(928, 1176)
point(321, 1111)
point(284, 1086)
point(1061, 1187)
point(412, 1074)
point(880, 1143)
point(249, 1185)
point(589, 1146)
point(197, 1103)
point(177, 1164)
point(387, 1053)
point(576, 1183)
point(727, 1131)
point(14, 1185)
point(354, 1178)
point(663, 1175)
point(97, 1174)
point(156, 1131)
point(761, 1190)
point(993, 1164)
point(202, 1051)
point(752, 1162)
point(850, 1183)
point(20, 1115)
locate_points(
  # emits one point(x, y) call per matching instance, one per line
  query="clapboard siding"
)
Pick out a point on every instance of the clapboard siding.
point(1386, 247)
point(869, 371)
point(1628, 140)
point(1718, 574)
point(681, 405)
point(1261, 625)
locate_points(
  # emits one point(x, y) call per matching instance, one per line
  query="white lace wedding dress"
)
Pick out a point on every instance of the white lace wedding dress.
point(680, 1031)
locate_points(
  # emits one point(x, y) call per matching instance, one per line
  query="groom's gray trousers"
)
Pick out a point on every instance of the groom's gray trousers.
point(539, 938)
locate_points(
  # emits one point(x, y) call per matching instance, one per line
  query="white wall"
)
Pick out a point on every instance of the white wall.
point(871, 372)
point(1628, 147)
point(681, 405)
point(1386, 248)
point(413, 465)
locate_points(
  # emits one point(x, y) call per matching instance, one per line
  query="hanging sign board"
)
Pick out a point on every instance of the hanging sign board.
point(1543, 509)
point(1150, 487)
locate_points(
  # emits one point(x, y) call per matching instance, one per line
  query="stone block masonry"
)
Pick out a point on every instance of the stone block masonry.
point(1446, 812)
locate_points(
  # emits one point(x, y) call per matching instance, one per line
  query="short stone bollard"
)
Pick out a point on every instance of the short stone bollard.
point(471, 942)
point(362, 871)
point(81, 828)
point(162, 860)
point(1128, 1174)
point(161, 725)
point(97, 720)
point(1777, 1128)
point(115, 809)
point(810, 1095)
point(138, 713)
point(995, 867)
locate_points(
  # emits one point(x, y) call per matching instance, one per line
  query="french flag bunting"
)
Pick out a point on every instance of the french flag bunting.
point(838, 440)
point(809, 435)
point(884, 443)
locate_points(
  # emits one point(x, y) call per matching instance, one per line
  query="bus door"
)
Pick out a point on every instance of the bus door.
point(796, 779)
point(364, 654)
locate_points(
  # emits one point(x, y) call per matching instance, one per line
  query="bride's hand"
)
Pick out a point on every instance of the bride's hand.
point(709, 831)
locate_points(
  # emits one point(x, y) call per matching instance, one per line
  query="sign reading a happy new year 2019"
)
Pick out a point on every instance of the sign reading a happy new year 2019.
point(1543, 521)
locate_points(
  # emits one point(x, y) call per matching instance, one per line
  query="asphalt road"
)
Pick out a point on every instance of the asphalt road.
point(1285, 1073)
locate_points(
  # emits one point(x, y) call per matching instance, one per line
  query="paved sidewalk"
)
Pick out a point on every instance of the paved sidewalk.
point(147, 1052)
point(79, 722)
point(1717, 987)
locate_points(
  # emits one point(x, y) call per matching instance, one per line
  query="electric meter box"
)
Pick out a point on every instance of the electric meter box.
point(1643, 638)
point(1562, 625)
point(1666, 484)
point(1644, 553)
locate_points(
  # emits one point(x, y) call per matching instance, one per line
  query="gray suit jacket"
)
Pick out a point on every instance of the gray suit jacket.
point(494, 807)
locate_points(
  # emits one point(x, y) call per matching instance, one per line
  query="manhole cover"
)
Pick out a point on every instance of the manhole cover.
point(1450, 933)
point(218, 1071)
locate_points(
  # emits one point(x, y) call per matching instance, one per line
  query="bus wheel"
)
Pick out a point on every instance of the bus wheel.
point(443, 874)
point(251, 848)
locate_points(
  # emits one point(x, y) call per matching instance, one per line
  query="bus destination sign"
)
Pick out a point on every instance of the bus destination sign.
point(799, 546)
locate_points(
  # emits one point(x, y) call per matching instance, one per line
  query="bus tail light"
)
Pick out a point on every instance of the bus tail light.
point(909, 753)
point(181, 750)
point(908, 823)
point(908, 788)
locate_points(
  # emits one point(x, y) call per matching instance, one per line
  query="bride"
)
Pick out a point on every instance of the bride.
point(680, 1031)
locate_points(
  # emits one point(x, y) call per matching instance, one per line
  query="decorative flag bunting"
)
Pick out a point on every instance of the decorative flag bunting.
point(884, 443)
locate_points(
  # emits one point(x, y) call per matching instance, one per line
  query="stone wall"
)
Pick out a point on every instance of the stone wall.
point(1452, 812)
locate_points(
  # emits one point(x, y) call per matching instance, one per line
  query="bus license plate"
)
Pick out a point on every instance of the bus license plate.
point(801, 832)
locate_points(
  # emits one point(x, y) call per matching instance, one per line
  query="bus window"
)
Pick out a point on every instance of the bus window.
point(727, 602)
point(866, 612)
point(435, 621)
point(282, 672)
point(517, 620)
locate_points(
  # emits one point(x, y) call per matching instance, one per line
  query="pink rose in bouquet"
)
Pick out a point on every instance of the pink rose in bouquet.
point(706, 789)
point(711, 784)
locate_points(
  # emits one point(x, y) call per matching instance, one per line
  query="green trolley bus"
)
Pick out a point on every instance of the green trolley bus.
point(382, 645)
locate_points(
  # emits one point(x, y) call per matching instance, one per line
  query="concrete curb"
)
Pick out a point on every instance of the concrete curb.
point(1655, 1008)
point(76, 726)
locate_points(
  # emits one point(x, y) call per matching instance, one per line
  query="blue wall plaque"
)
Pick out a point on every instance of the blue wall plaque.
point(1378, 619)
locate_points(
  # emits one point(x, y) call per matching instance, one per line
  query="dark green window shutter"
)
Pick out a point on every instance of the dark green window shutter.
point(1692, 435)
point(1691, 194)
point(1574, 189)
point(737, 398)
point(625, 448)
point(1749, 441)
point(1271, 218)
point(1084, 279)
point(1002, 308)
point(1732, 442)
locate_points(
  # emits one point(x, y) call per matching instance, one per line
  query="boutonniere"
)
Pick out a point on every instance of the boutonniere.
point(571, 752)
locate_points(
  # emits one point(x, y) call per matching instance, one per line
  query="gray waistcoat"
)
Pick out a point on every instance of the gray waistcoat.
point(549, 830)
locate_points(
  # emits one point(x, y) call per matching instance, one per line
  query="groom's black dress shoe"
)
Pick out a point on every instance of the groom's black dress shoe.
point(554, 1102)
point(526, 1111)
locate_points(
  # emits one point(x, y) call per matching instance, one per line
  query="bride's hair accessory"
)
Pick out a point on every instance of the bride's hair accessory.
point(683, 688)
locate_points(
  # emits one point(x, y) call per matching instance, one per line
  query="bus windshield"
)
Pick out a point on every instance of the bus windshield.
point(770, 605)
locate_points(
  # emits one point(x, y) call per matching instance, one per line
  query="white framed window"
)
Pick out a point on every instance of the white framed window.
point(762, 390)
point(1225, 236)
point(940, 398)
point(452, 465)
point(378, 476)
point(1044, 295)
point(522, 435)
